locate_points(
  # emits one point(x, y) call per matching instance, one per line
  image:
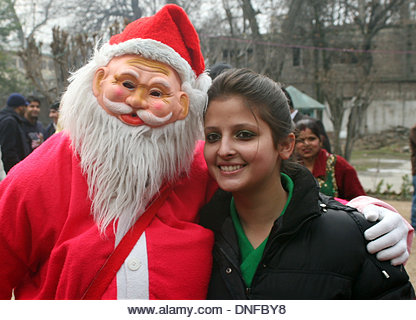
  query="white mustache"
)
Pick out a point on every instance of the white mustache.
point(147, 117)
point(116, 107)
point(152, 120)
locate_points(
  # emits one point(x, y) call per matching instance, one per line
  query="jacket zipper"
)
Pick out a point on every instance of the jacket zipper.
point(237, 269)
point(248, 289)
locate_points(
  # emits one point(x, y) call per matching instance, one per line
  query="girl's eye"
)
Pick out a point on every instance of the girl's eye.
point(129, 85)
point(156, 93)
point(245, 135)
point(212, 137)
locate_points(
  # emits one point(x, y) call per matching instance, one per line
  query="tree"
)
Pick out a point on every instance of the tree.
point(241, 33)
point(370, 17)
point(350, 25)
point(11, 80)
point(28, 48)
point(94, 16)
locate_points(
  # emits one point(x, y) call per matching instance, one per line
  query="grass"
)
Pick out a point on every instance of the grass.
point(364, 158)
point(389, 152)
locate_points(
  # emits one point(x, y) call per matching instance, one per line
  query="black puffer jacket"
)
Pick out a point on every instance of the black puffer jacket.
point(316, 250)
point(13, 141)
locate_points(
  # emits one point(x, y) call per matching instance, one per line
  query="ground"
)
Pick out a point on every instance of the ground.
point(383, 162)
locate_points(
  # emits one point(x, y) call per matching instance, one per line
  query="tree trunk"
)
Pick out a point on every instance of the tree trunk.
point(258, 50)
point(352, 133)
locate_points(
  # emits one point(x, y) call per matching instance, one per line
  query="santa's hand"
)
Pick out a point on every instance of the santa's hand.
point(390, 234)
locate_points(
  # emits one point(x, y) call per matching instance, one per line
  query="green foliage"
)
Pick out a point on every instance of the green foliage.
point(11, 79)
point(406, 188)
point(8, 22)
point(405, 193)
point(379, 186)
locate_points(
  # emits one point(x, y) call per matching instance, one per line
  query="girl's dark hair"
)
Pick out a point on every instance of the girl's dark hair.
point(261, 94)
point(308, 123)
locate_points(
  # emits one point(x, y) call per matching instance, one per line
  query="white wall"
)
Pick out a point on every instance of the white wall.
point(381, 115)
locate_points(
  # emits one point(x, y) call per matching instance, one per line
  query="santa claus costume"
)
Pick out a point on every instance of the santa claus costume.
point(65, 208)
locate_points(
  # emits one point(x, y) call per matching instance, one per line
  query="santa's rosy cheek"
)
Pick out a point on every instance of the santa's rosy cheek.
point(157, 106)
point(115, 93)
point(118, 92)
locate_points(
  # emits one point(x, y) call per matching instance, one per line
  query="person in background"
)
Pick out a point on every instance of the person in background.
point(412, 138)
point(2, 172)
point(276, 237)
point(33, 128)
point(54, 115)
point(335, 175)
point(14, 145)
point(216, 69)
point(296, 116)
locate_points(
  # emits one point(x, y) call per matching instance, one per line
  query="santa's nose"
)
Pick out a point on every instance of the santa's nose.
point(137, 99)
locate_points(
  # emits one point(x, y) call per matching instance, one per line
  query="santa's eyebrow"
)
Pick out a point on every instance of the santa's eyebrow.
point(162, 83)
point(130, 73)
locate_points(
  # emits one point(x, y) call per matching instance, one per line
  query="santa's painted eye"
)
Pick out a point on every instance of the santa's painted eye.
point(156, 93)
point(129, 85)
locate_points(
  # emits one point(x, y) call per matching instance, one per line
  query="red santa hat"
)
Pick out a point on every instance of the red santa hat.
point(168, 37)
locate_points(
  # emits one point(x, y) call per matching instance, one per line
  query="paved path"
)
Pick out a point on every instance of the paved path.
point(391, 171)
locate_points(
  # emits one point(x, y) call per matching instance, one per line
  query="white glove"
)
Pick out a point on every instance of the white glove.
point(390, 234)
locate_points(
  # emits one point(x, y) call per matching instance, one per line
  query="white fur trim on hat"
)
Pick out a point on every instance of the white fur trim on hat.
point(149, 49)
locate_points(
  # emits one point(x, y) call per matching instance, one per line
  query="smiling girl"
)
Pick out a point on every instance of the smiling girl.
point(276, 237)
point(336, 177)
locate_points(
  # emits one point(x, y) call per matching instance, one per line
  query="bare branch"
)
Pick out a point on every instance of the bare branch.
point(44, 19)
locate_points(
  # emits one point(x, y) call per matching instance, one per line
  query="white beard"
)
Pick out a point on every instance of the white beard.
point(125, 166)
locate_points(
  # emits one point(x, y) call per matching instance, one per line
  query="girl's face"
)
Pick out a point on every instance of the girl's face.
point(308, 144)
point(239, 149)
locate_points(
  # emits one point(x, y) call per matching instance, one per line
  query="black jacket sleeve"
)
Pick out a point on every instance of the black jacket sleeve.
point(375, 279)
point(9, 133)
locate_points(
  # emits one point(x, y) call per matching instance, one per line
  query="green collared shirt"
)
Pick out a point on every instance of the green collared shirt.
point(250, 257)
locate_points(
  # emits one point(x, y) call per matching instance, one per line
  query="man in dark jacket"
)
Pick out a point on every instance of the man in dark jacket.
point(33, 128)
point(14, 146)
point(54, 115)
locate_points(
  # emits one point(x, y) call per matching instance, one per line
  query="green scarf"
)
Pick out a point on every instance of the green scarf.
point(250, 257)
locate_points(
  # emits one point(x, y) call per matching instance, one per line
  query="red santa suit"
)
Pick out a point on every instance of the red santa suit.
point(51, 248)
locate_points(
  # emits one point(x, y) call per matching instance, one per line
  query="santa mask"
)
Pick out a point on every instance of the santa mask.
point(139, 91)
